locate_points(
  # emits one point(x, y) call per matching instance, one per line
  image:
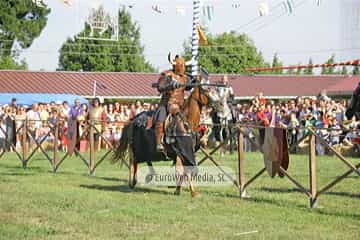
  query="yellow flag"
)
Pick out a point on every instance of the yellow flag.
point(202, 38)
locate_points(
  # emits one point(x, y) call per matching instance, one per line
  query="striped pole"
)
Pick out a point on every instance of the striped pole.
point(195, 38)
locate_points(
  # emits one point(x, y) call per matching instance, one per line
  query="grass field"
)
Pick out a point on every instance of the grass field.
point(38, 204)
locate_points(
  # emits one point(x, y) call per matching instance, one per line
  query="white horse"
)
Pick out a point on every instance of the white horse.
point(223, 113)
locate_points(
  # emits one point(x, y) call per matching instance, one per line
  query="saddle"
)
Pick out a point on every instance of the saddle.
point(144, 119)
point(176, 126)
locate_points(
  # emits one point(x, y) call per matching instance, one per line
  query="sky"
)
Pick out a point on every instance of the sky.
point(310, 31)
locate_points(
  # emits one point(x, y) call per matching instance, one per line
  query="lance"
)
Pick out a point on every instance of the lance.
point(349, 63)
point(197, 84)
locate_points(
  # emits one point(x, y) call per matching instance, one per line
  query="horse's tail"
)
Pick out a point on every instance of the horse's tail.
point(120, 152)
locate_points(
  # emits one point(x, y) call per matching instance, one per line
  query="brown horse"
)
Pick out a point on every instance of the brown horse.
point(145, 150)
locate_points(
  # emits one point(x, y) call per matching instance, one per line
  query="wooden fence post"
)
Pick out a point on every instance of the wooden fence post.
point(24, 144)
point(56, 147)
point(312, 171)
point(241, 163)
point(92, 149)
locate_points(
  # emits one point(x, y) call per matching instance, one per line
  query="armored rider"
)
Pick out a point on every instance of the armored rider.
point(172, 86)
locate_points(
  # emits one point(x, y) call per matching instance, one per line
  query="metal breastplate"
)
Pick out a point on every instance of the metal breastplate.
point(175, 96)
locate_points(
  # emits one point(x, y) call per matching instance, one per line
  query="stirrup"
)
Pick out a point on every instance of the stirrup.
point(160, 148)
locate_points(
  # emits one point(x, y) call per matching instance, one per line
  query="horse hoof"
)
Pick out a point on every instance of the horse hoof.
point(132, 185)
point(195, 194)
point(177, 193)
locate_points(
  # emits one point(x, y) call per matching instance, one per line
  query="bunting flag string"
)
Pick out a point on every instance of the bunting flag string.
point(180, 10)
point(289, 6)
point(263, 9)
point(157, 9)
point(68, 3)
point(235, 5)
point(208, 12)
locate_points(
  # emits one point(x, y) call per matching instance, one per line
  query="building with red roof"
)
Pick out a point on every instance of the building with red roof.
point(124, 85)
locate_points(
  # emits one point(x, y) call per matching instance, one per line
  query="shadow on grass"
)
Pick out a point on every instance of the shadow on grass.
point(125, 189)
point(291, 190)
point(284, 203)
point(18, 174)
point(113, 179)
point(280, 190)
point(344, 194)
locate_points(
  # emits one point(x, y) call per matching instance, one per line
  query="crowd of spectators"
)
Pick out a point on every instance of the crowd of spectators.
point(325, 115)
point(41, 117)
point(322, 113)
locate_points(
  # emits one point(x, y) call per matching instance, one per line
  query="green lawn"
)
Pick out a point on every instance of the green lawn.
point(38, 204)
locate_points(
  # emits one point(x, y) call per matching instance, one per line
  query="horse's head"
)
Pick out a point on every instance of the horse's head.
point(354, 106)
point(179, 64)
point(205, 96)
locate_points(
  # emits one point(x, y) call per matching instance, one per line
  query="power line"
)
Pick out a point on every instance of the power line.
point(128, 54)
point(277, 18)
point(298, 52)
point(258, 18)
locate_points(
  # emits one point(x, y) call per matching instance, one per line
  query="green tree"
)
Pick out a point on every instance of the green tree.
point(309, 70)
point(356, 70)
point(276, 63)
point(329, 70)
point(21, 21)
point(299, 71)
point(344, 71)
point(8, 62)
point(290, 71)
point(126, 54)
point(228, 53)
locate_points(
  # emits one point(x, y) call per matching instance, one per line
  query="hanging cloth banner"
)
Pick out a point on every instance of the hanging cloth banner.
point(157, 9)
point(180, 10)
point(208, 12)
point(289, 6)
point(263, 9)
point(202, 37)
point(68, 2)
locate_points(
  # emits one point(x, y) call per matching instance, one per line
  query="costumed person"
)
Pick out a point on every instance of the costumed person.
point(96, 118)
point(73, 127)
point(227, 94)
point(172, 89)
point(228, 114)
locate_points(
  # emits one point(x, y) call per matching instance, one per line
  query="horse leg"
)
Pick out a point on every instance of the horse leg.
point(191, 186)
point(179, 175)
point(228, 137)
point(222, 150)
point(132, 169)
point(151, 173)
point(136, 168)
